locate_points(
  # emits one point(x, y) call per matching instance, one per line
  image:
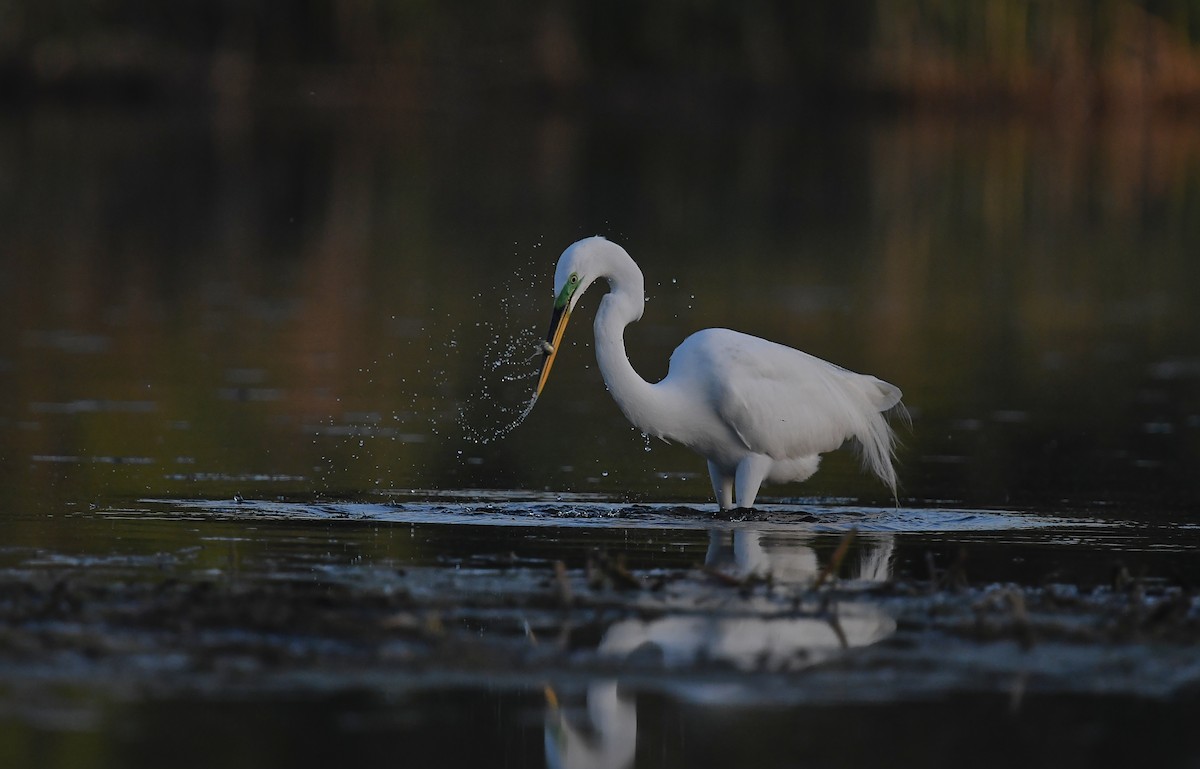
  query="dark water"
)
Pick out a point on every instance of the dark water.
point(203, 633)
point(208, 304)
point(321, 316)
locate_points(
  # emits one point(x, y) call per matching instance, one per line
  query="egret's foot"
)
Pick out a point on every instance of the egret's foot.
point(736, 514)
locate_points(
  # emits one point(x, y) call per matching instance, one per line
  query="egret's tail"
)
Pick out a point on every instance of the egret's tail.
point(877, 440)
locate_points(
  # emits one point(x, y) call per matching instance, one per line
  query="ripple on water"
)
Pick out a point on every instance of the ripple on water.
point(583, 510)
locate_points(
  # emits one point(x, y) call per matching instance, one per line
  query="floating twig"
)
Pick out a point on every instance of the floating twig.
point(729, 580)
point(835, 562)
point(563, 584)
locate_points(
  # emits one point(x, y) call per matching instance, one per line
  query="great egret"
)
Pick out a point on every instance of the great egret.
point(756, 410)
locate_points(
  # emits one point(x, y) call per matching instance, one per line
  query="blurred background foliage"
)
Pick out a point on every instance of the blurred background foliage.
point(1061, 55)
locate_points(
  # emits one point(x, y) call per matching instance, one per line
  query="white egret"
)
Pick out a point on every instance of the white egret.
point(756, 410)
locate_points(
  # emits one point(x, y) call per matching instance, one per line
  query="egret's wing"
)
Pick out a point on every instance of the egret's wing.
point(787, 404)
point(779, 401)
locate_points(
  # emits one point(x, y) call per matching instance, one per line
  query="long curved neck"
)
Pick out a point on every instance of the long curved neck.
point(620, 307)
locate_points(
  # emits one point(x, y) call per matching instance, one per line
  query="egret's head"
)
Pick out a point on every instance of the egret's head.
point(577, 268)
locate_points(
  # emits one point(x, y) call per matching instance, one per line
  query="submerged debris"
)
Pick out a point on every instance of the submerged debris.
point(517, 615)
point(607, 571)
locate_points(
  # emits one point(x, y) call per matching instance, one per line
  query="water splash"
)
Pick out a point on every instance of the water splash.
point(502, 398)
point(488, 416)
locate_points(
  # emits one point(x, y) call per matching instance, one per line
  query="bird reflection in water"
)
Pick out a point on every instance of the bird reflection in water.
point(787, 559)
point(605, 739)
point(737, 635)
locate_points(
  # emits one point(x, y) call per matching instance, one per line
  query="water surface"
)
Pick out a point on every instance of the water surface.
point(246, 362)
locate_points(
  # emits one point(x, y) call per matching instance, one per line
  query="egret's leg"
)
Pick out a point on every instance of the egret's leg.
point(752, 560)
point(716, 548)
point(751, 472)
point(722, 486)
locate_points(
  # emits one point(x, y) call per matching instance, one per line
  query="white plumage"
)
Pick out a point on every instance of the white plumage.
point(756, 410)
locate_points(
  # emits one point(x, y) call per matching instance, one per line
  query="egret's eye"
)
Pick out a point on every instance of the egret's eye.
point(573, 279)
